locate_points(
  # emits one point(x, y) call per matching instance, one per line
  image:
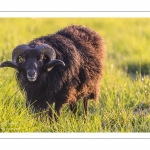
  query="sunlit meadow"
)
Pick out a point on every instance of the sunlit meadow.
point(124, 102)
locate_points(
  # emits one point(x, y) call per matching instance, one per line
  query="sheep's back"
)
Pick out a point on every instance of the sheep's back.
point(89, 44)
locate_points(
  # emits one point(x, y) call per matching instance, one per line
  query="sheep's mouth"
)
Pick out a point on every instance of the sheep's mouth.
point(31, 75)
point(31, 79)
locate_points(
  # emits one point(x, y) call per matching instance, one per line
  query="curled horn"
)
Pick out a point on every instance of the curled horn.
point(19, 50)
point(47, 50)
point(50, 52)
point(16, 52)
point(8, 64)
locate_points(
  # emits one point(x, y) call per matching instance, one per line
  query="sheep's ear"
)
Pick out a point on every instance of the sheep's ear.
point(9, 64)
point(53, 63)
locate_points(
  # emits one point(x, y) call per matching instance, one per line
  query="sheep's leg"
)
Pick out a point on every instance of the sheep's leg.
point(58, 107)
point(73, 107)
point(50, 110)
point(85, 106)
point(51, 113)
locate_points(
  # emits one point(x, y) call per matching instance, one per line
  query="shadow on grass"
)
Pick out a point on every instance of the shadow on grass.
point(134, 69)
point(142, 109)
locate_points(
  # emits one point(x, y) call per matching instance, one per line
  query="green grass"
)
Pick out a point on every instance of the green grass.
point(124, 103)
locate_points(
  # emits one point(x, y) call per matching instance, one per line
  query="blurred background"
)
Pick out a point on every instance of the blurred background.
point(127, 39)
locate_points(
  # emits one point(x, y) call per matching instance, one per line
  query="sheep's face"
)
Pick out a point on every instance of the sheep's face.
point(32, 63)
point(33, 60)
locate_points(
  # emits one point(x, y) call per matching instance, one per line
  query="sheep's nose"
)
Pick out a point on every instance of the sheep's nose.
point(31, 73)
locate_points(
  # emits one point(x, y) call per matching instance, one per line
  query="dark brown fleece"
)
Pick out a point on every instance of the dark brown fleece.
point(83, 51)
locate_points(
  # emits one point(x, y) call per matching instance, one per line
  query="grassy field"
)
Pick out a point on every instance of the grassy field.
point(124, 103)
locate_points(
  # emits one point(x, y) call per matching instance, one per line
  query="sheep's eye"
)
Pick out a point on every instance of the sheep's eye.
point(45, 59)
point(21, 59)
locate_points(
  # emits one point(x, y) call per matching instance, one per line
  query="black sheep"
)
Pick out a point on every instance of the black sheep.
point(60, 68)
